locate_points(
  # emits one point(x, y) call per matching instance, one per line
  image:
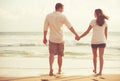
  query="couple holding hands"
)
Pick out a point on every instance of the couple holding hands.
point(55, 20)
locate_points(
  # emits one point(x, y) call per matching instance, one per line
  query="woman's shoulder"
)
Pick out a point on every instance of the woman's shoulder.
point(93, 20)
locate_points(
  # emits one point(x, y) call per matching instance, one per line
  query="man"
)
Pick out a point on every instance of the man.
point(54, 21)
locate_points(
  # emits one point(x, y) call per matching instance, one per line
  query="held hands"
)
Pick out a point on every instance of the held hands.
point(77, 38)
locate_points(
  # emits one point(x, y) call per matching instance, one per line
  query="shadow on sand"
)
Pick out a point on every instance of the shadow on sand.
point(53, 78)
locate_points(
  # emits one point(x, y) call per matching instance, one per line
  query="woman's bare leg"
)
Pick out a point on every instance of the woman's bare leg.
point(101, 53)
point(94, 50)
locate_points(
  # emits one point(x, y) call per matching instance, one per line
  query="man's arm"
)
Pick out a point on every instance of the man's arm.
point(74, 32)
point(45, 37)
point(68, 24)
point(46, 25)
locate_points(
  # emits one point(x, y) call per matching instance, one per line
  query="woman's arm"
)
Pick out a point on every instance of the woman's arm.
point(86, 32)
point(106, 32)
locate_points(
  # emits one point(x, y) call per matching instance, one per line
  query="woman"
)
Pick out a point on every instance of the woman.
point(99, 38)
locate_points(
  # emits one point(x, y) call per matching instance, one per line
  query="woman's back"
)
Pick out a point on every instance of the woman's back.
point(98, 36)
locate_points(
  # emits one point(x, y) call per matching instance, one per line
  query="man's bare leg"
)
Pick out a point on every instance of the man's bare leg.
point(51, 61)
point(59, 64)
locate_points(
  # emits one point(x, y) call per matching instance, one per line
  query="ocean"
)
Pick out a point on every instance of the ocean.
point(23, 54)
point(30, 44)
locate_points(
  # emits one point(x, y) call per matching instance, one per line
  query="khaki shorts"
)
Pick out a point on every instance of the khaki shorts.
point(56, 48)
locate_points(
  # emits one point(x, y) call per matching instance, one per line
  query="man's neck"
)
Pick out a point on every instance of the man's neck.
point(58, 11)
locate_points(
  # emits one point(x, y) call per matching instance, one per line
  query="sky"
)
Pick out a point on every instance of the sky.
point(29, 15)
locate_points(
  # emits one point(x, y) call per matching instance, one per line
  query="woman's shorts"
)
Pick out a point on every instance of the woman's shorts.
point(56, 48)
point(103, 45)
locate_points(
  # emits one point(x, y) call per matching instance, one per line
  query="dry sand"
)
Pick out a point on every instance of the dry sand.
point(106, 77)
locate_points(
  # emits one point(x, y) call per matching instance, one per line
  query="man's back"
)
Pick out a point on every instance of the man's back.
point(55, 22)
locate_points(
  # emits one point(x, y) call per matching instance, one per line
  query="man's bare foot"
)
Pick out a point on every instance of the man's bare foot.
point(51, 73)
point(99, 74)
point(60, 73)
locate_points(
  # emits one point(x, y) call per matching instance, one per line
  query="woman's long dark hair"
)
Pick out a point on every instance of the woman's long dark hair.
point(100, 17)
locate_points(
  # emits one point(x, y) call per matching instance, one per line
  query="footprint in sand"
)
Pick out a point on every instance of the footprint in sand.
point(44, 80)
point(94, 80)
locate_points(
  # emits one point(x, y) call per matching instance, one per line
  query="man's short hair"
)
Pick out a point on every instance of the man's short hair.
point(58, 5)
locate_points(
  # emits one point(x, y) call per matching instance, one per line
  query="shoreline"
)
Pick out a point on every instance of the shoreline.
point(32, 66)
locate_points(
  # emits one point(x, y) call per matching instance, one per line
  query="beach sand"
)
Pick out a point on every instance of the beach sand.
point(37, 69)
point(107, 77)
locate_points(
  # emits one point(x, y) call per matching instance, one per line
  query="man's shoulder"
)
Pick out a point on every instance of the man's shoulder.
point(50, 14)
point(56, 13)
point(61, 14)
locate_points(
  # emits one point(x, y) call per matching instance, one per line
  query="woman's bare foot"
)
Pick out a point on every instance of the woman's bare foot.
point(99, 74)
point(94, 71)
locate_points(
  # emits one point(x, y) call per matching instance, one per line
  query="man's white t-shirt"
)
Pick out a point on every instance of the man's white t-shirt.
point(55, 22)
point(98, 36)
